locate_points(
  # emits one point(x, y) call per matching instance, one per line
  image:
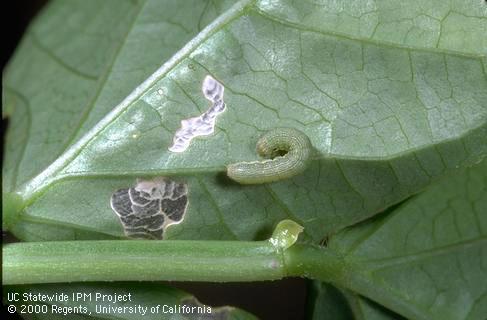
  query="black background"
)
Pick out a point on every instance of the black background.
point(283, 299)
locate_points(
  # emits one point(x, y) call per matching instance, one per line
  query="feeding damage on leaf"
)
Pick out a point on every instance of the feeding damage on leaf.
point(149, 207)
point(205, 124)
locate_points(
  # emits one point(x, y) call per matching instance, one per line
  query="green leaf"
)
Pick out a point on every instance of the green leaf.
point(364, 309)
point(326, 302)
point(386, 112)
point(426, 258)
point(96, 301)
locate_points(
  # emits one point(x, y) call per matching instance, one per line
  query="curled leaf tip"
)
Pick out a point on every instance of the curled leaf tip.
point(285, 234)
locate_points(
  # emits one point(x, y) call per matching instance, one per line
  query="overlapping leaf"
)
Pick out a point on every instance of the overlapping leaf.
point(426, 258)
point(327, 302)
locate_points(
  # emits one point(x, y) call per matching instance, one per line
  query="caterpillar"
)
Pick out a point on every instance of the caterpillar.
point(288, 152)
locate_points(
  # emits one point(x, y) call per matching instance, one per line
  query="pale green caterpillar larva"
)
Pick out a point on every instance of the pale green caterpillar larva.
point(288, 152)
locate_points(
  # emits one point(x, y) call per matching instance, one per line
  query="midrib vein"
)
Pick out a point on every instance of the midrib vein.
point(219, 168)
point(382, 263)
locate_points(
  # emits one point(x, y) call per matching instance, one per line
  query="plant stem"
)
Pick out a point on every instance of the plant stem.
point(315, 262)
point(145, 260)
point(177, 260)
point(182, 260)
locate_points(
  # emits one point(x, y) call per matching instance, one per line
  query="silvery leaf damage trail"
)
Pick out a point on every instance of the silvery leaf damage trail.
point(205, 124)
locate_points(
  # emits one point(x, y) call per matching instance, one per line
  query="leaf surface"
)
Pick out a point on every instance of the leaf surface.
point(327, 302)
point(385, 117)
point(365, 309)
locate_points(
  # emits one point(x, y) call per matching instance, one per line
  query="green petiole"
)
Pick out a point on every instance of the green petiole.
point(177, 260)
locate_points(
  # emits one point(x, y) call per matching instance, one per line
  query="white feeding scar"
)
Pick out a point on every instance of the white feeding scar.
point(205, 124)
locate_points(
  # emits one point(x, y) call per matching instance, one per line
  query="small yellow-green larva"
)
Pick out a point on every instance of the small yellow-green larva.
point(288, 152)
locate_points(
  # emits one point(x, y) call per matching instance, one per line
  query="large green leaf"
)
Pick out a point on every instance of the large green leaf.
point(96, 301)
point(387, 112)
point(426, 258)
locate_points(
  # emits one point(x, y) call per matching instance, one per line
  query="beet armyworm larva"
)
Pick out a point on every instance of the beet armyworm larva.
point(288, 152)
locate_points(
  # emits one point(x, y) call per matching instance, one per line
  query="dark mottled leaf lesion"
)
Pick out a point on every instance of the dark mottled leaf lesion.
point(149, 207)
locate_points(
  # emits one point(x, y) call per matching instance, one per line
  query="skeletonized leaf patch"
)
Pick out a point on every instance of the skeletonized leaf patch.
point(146, 209)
